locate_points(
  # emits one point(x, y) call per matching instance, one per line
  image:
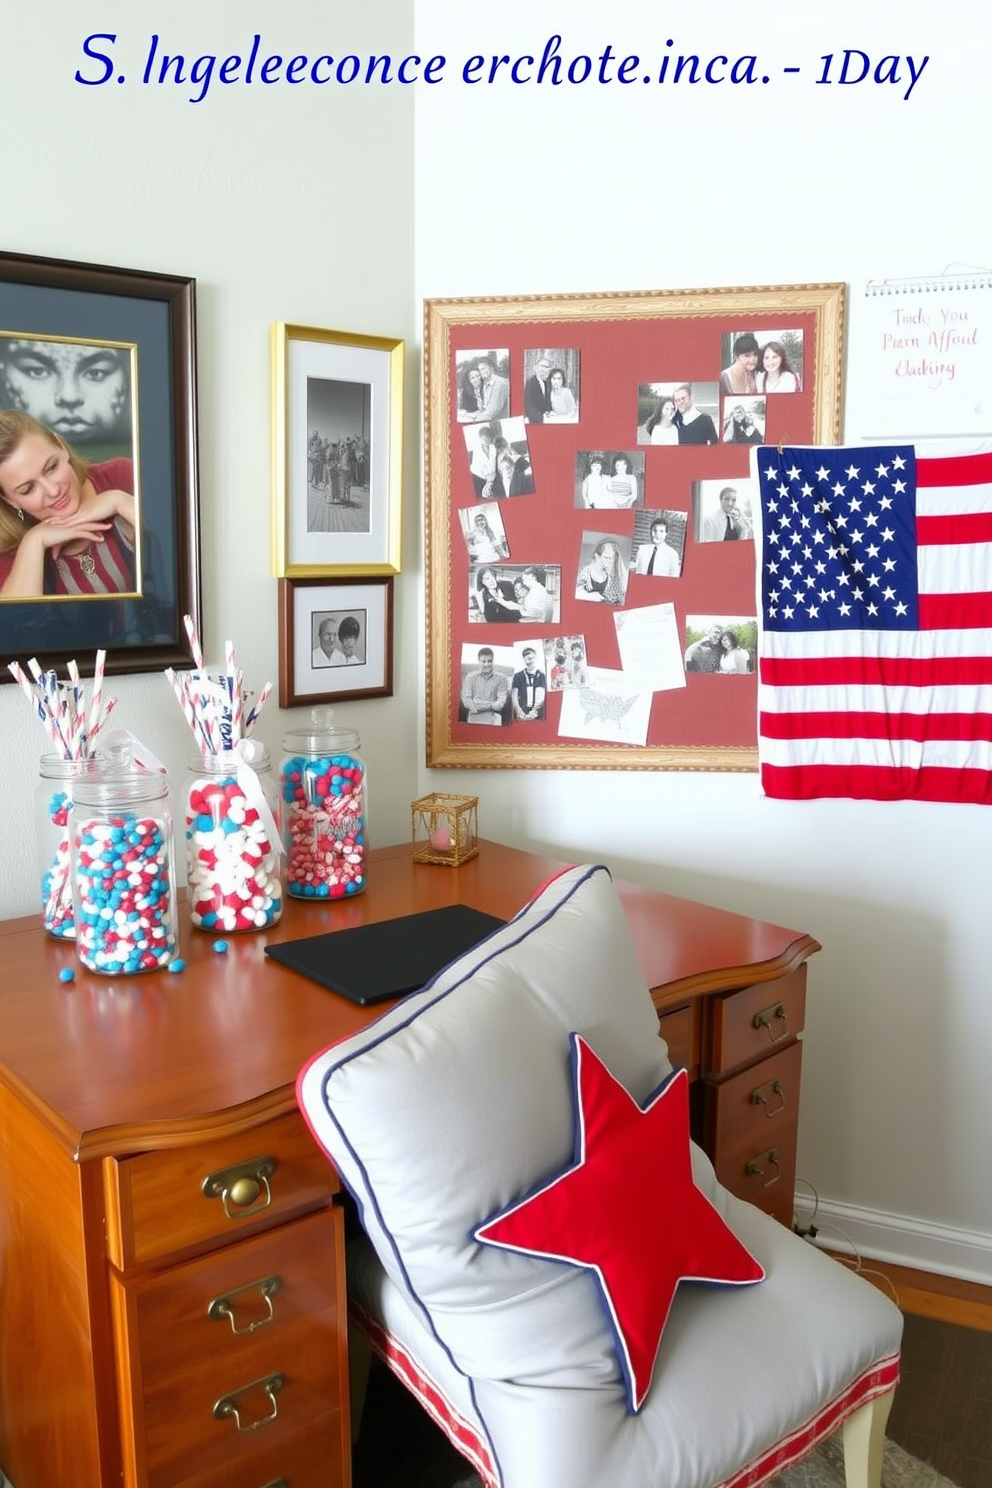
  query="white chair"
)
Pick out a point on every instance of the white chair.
point(458, 1103)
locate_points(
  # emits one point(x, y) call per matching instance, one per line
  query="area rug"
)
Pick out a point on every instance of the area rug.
point(824, 1468)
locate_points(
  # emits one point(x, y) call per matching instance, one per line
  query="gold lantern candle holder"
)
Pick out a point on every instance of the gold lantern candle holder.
point(445, 828)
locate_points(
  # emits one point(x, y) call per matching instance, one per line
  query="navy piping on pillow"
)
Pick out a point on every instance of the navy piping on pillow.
point(394, 1028)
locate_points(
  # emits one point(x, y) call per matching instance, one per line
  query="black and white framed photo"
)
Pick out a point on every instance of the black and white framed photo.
point(335, 640)
point(99, 515)
point(337, 452)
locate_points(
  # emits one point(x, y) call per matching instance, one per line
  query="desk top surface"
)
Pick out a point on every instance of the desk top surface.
point(112, 1065)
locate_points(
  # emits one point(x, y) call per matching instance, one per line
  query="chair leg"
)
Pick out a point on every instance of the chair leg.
point(864, 1441)
point(359, 1364)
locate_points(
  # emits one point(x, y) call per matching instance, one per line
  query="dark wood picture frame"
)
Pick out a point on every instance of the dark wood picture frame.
point(623, 343)
point(153, 316)
point(306, 678)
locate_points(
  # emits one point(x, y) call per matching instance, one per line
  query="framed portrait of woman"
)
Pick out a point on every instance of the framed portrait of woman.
point(99, 513)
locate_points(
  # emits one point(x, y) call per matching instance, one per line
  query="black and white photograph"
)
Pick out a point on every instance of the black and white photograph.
point(484, 533)
point(659, 543)
point(609, 480)
point(486, 678)
point(551, 385)
point(677, 413)
point(335, 639)
point(482, 380)
point(565, 662)
point(499, 459)
point(721, 645)
point(511, 593)
point(604, 567)
point(744, 420)
point(762, 361)
point(722, 510)
point(338, 637)
point(529, 684)
point(339, 421)
point(337, 452)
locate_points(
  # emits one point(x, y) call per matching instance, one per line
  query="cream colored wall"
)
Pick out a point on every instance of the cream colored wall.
point(285, 204)
point(527, 189)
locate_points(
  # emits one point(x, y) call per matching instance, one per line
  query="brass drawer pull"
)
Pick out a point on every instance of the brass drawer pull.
point(241, 1186)
point(223, 1307)
point(227, 1406)
point(768, 1095)
point(770, 1015)
point(755, 1170)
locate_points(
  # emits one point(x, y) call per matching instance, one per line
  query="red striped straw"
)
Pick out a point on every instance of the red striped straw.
point(96, 700)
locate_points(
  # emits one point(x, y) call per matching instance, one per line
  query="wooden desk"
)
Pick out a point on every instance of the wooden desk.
point(118, 1098)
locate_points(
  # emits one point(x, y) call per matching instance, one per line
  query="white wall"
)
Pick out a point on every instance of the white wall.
point(540, 189)
point(284, 203)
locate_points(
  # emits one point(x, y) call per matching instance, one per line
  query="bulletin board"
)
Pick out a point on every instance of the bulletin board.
point(620, 356)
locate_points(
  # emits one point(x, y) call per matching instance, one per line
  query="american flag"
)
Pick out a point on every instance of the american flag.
point(874, 582)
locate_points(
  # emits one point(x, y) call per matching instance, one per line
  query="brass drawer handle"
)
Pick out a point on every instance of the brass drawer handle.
point(227, 1405)
point(241, 1186)
point(767, 1095)
point(224, 1307)
point(770, 1015)
point(755, 1170)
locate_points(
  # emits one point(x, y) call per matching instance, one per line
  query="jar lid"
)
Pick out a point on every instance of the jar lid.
point(113, 779)
point(321, 737)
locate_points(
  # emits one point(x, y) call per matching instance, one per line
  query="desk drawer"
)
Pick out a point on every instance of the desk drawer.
point(305, 1459)
point(764, 1173)
point(750, 1111)
point(257, 1325)
point(747, 1025)
point(157, 1207)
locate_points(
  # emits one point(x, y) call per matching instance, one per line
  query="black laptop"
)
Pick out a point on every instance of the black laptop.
point(372, 963)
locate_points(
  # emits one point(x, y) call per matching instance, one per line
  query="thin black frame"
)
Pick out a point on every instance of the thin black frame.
point(157, 313)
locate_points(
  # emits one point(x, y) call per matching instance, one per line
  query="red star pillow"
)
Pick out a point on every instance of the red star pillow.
point(628, 1210)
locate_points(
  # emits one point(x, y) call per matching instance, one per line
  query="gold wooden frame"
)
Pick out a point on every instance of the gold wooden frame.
point(826, 304)
point(343, 358)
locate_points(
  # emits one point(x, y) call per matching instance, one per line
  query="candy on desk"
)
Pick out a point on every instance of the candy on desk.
point(325, 826)
point(221, 947)
point(124, 894)
point(67, 974)
point(177, 964)
point(235, 882)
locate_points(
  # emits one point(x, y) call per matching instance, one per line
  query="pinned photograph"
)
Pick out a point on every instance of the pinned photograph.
point(762, 361)
point(744, 420)
point(565, 662)
point(482, 380)
point(551, 385)
point(529, 686)
point(604, 567)
point(659, 543)
point(722, 645)
point(722, 510)
point(508, 593)
point(499, 459)
point(484, 533)
point(677, 413)
point(609, 480)
point(484, 689)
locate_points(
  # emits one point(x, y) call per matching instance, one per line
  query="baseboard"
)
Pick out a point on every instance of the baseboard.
point(914, 1243)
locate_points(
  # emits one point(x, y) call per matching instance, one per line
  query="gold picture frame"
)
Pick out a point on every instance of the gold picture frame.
point(623, 341)
point(337, 453)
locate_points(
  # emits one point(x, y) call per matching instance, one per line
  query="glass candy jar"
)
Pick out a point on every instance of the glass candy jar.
point(324, 810)
point(53, 803)
point(123, 868)
point(233, 846)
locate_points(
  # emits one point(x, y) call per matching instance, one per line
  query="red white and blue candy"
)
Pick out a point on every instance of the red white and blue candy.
point(124, 909)
point(234, 868)
point(324, 825)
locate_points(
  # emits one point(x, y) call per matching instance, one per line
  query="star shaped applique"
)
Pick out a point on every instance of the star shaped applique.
point(628, 1210)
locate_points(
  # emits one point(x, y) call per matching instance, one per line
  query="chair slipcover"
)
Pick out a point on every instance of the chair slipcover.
point(456, 1103)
